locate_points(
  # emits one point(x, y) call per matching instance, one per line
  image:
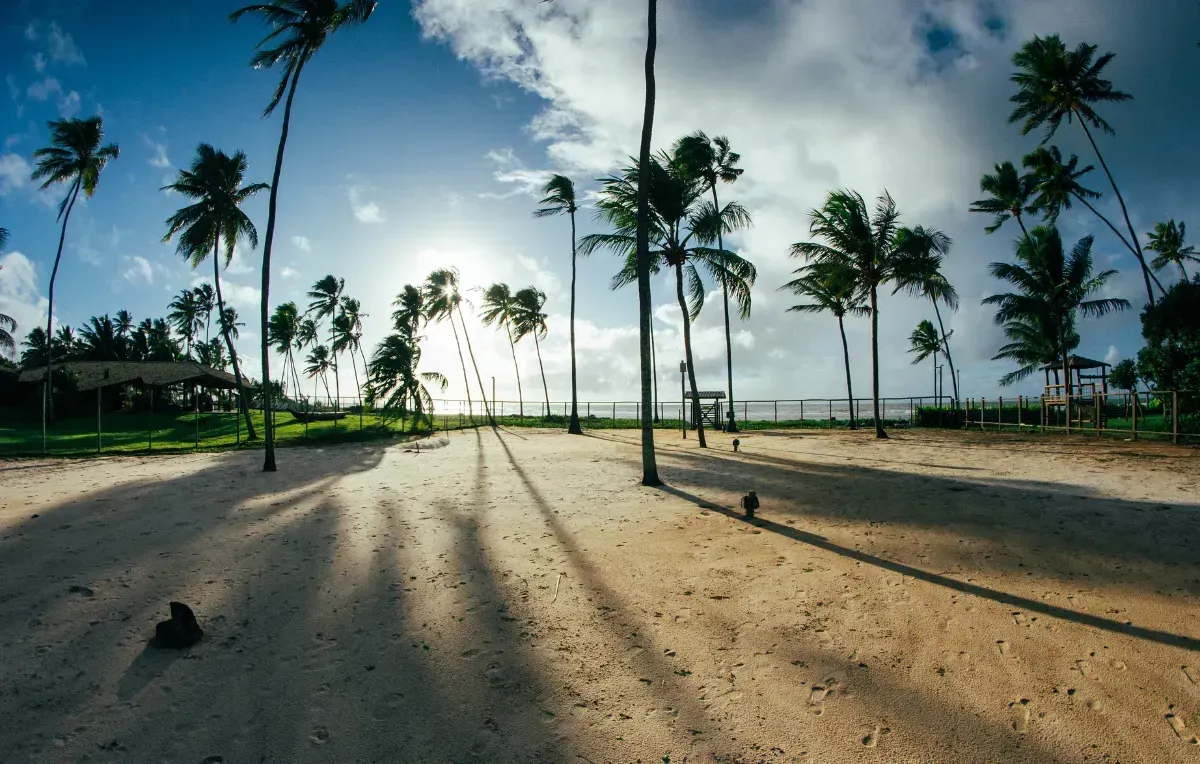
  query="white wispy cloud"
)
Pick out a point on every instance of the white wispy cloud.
point(39, 63)
point(158, 153)
point(302, 243)
point(137, 270)
point(43, 89)
point(63, 49)
point(365, 211)
point(20, 296)
point(288, 272)
point(14, 172)
point(68, 105)
point(509, 169)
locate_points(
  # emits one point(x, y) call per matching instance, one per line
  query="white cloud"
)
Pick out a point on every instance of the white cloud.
point(365, 211)
point(238, 265)
point(289, 272)
point(19, 294)
point(14, 172)
point(43, 89)
point(242, 296)
point(31, 32)
point(1113, 355)
point(63, 49)
point(302, 243)
point(39, 63)
point(158, 153)
point(510, 170)
point(68, 105)
point(137, 270)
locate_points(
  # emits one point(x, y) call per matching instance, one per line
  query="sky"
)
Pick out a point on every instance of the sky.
point(420, 140)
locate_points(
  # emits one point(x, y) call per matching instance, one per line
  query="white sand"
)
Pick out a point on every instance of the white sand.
point(934, 598)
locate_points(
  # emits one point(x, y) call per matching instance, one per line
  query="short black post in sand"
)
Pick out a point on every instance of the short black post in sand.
point(736, 443)
point(750, 503)
point(181, 631)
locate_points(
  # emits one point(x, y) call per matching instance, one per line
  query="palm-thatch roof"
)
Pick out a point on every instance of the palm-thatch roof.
point(1078, 362)
point(90, 375)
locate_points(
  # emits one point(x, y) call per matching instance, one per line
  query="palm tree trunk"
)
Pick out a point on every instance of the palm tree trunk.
point(1137, 247)
point(48, 386)
point(517, 369)
point(728, 340)
point(946, 348)
point(649, 465)
point(268, 240)
point(545, 389)
point(879, 433)
point(487, 409)
point(237, 373)
point(354, 367)
point(1021, 223)
point(466, 379)
point(573, 427)
point(849, 384)
point(366, 369)
point(687, 353)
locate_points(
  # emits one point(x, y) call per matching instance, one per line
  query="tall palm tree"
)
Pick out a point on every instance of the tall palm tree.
point(343, 339)
point(326, 296)
point(1167, 240)
point(206, 303)
point(395, 382)
point(410, 311)
point(529, 319)
point(123, 323)
point(1010, 196)
point(1056, 183)
point(66, 345)
point(1056, 84)
point(642, 253)
point(307, 336)
point(832, 289)
point(920, 273)
point(863, 243)
point(229, 321)
point(282, 332)
point(184, 315)
point(351, 310)
point(559, 199)
point(682, 224)
point(75, 156)
point(100, 340)
point(443, 300)
point(301, 27)
point(216, 218)
point(318, 367)
point(714, 161)
point(160, 344)
point(1053, 288)
point(36, 348)
point(925, 341)
point(499, 309)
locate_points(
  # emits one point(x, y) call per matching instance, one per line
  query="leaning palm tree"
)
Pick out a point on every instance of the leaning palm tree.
point(499, 309)
point(395, 384)
point(559, 199)
point(1168, 241)
point(864, 244)
point(325, 296)
point(926, 342)
point(410, 311)
point(1053, 289)
point(443, 300)
point(301, 27)
point(832, 289)
point(352, 316)
point(342, 341)
point(714, 161)
point(184, 316)
point(529, 319)
point(213, 221)
point(1055, 84)
point(282, 331)
point(1010, 194)
point(75, 156)
point(206, 304)
point(307, 336)
point(318, 367)
point(682, 225)
point(919, 273)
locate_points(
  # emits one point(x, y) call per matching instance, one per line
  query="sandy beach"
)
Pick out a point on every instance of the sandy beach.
point(518, 597)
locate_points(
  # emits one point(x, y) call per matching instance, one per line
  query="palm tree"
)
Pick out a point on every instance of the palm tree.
point(318, 367)
point(394, 379)
point(1055, 84)
point(832, 289)
point(920, 273)
point(642, 253)
point(3, 238)
point(864, 244)
point(8, 324)
point(1168, 241)
point(499, 309)
point(326, 295)
point(307, 335)
point(206, 303)
point(714, 161)
point(37, 349)
point(925, 341)
point(75, 156)
point(345, 339)
point(229, 321)
point(352, 310)
point(443, 300)
point(300, 29)
point(529, 319)
point(66, 345)
point(282, 332)
point(559, 199)
point(184, 315)
point(1010, 195)
point(1052, 290)
point(100, 340)
point(215, 182)
point(681, 225)
point(410, 311)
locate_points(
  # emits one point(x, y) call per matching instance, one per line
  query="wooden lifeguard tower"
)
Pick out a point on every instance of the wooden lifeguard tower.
point(707, 407)
point(1082, 395)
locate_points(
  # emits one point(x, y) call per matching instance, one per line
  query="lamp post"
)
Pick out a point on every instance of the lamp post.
point(683, 397)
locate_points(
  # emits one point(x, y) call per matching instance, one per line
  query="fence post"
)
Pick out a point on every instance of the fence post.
point(777, 411)
point(1020, 412)
point(744, 410)
point(98, 441)
point(614, 415)
point(1135, 413)
point(911, 418)
point(831, 411)
point(1000, 416)
point(150, 424)
point(1175, 417)
point(637, 412)
point(196, 415)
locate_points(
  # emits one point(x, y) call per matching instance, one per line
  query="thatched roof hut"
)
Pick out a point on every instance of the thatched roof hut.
point(91, 375)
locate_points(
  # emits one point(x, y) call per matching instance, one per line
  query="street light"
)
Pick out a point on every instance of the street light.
point(683, 397)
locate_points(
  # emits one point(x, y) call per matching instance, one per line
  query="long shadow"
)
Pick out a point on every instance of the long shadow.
point(1105, 624)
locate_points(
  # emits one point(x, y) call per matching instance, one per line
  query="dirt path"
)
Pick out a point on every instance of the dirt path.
point(517, 597)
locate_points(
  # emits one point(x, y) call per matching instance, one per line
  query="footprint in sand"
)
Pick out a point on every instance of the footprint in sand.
point(319, 736)
point(1180, 729)
point(1020, 711)
point(1002, 646)
point(1190, 673)
point(871, 740)
point(1084, 667)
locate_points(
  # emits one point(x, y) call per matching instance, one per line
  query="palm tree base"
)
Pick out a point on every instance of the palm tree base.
point(574, 427)
point(652, 483)
point(881, 435)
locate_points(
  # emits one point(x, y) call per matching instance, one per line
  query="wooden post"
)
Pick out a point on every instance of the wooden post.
point(1000, 416)
point(196, 415)
point(831, 411)
point(1067, 393)
point(614, 414)
point(150, 428)
point(982, 413)
point(1020, 412)
point(777, 411)
point(1175, 417)
point(1135, 413)
point(237, 419)
point(98, 420)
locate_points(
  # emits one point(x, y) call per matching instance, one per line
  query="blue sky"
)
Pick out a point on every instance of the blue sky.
point(418, 138)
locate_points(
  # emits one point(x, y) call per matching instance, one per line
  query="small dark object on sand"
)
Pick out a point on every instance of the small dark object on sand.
point(181, 631)
point(750, 503)
point(736, 443)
